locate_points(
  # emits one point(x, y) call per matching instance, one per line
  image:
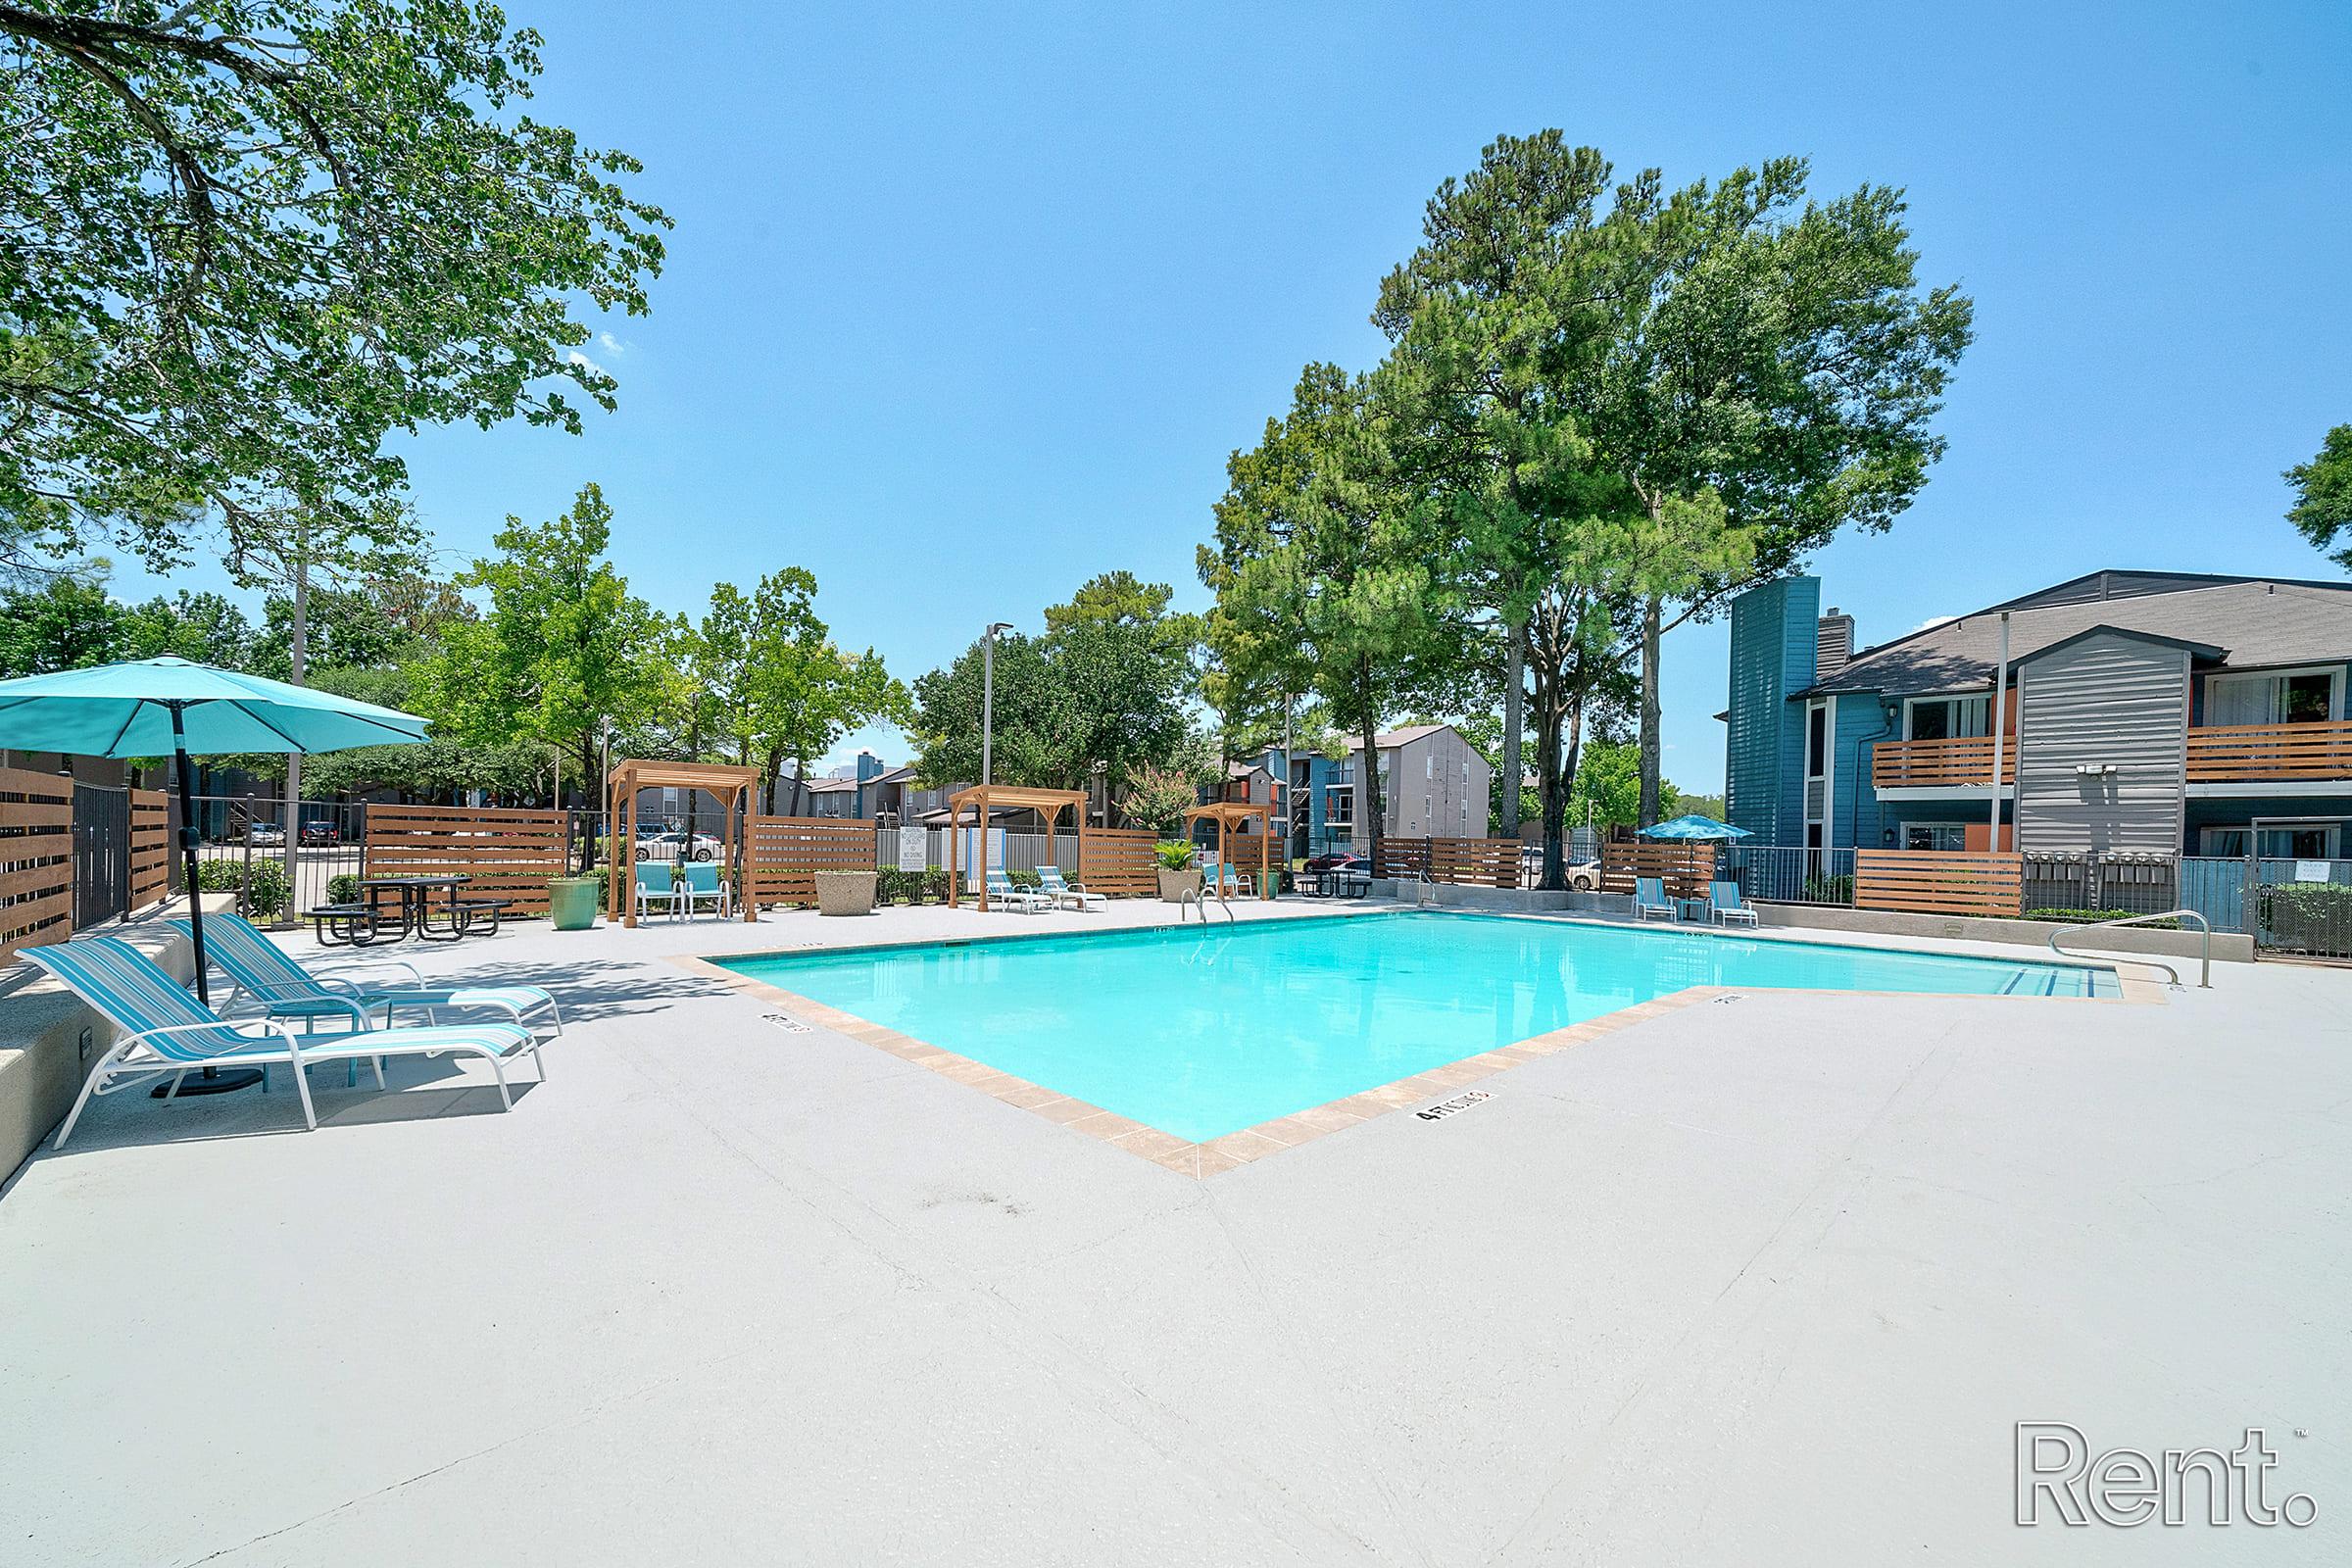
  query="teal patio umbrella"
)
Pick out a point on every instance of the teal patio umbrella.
point(170, 707)
point(1693, 829)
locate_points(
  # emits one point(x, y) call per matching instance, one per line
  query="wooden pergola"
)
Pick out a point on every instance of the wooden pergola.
point(731, 784)
point(1047, 804)
point(1228, 814)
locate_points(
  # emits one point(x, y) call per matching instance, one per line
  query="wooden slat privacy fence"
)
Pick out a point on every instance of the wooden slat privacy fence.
point(1475, 862)
point(508, 855)
point(150, 847)
point(1395, 857)
point(1119, 863)
point(784, 853)
point(37, 859)
point(1939, 882)
point(2256, 752)
point(1685, 867)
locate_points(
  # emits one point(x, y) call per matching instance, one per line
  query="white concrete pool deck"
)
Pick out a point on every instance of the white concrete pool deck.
point(1767, 1281)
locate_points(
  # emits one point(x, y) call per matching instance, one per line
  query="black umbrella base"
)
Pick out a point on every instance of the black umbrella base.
point(212, 1081)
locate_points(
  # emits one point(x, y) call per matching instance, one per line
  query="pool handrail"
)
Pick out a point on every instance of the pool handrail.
point(2204, 978)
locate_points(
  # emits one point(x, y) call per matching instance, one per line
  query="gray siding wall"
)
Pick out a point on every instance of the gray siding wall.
point(2104, 700)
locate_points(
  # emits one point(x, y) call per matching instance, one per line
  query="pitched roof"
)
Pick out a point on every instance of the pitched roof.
point(1399, 737)
point(2253, 623)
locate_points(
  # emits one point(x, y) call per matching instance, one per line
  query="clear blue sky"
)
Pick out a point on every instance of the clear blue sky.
point(967, 305)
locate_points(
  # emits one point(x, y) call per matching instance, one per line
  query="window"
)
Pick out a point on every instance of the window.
point(1817, 742)
point(2283, 697)
point(1943, 836)
point(2274, 841)
point(1940, 718)
point(1429, 765)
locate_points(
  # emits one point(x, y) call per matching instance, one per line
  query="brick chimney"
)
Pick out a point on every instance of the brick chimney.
point(1832, 644)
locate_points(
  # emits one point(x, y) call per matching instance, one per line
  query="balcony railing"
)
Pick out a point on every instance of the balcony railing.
point(1964, 762)
point(2261, 753)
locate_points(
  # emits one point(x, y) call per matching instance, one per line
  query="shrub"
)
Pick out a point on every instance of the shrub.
point(1174, 854)
point(894, 886)
point(935, 887)
point(2093, 918)
point(268, 890)
point(219, 876)
point(1022, 879)
point(2306, 916)
point(1829, 890)
point(343, 888)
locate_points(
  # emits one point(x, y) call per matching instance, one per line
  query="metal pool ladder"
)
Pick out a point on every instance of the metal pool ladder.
point(1197, 897)
point(2204, 978)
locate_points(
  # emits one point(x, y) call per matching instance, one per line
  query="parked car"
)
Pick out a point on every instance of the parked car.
point(1336, 860)
point(1583, 876)
point(665, 847)
point(264, 835)
point(317, 832)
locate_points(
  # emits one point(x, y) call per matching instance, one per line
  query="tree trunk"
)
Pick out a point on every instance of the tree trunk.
point(1514, 722)
point(1367, 784)
point(1653, 615)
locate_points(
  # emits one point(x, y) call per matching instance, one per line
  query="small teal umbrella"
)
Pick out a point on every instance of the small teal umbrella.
point(1693, 829)
point(170, 707)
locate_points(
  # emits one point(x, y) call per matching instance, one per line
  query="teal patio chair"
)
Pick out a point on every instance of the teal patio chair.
point(167, 1034)
point(1728, 904)
point(1649, 899)
point(700, 884)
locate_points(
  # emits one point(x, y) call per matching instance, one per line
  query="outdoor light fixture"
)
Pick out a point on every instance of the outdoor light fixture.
point(988, 697)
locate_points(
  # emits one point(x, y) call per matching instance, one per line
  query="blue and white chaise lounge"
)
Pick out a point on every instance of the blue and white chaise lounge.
point(276, 986)
point(167, 1034)
point(1001, 893)
point(1051, 884)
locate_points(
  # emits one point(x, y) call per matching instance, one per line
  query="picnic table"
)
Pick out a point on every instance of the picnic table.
point(413, 912)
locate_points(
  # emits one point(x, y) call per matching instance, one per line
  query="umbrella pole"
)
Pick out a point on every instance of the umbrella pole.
point(212, 1081)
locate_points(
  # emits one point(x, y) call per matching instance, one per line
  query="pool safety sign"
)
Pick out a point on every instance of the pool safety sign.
point(1446, 1107)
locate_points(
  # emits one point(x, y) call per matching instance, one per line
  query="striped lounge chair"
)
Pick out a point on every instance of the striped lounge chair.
point(1070, 895)
point(167, 1034)
point(271, 984)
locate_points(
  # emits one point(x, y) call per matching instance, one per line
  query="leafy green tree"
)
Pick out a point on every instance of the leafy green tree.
point(780, 689)
point(1505, 305)
point(1768, 379)
point(1157, 798)
point(204, 627)
point(1103, 693)
point(1321, 567)
point(244, 242)
point(68, 622)
point(562, 646)
point(2322, 508)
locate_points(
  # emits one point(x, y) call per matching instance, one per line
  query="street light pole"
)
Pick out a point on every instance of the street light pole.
point(987, 699)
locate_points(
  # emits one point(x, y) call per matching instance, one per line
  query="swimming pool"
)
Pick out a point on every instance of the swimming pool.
point(1202, 1033)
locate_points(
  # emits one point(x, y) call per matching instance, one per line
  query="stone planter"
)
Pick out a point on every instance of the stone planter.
point(845, 892)
point(572, 902)
point(1174, 885)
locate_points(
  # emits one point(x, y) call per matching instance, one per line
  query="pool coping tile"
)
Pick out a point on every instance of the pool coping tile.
point(1232, 1151)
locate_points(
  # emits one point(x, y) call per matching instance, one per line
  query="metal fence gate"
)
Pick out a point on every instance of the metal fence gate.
point(2300, 908)
point(100, 853)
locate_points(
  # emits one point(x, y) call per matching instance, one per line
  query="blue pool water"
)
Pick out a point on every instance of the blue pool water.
point(1205, 1033)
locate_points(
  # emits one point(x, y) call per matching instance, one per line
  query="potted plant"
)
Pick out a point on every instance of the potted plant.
point(846, 891)
point(1177, 873)
point(572, 902)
